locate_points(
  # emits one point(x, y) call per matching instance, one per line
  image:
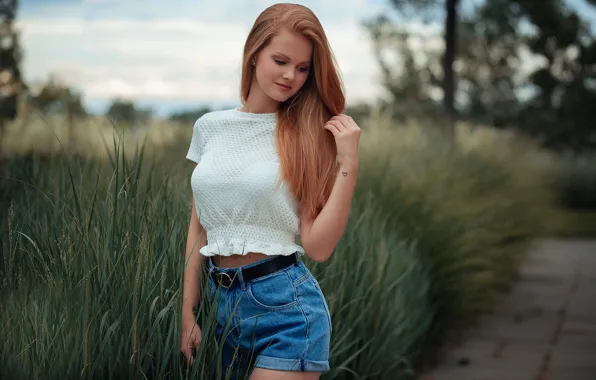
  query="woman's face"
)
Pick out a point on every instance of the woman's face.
point(283, 65)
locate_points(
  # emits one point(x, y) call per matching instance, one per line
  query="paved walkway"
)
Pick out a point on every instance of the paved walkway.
point(546, 329)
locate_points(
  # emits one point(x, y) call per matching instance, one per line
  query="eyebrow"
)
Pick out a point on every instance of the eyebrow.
point(288, 58)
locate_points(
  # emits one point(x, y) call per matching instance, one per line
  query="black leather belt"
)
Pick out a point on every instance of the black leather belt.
point(227, 280)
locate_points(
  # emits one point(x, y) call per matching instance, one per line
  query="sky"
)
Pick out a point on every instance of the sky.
point(179, 54)
point(174, 53)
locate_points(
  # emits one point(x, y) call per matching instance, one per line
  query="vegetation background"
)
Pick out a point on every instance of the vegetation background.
point(469, 157)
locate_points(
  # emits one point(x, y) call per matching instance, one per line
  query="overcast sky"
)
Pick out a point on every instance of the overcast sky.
point(176, 53)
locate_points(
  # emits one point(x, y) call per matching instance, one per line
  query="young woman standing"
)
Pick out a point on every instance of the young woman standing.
point(284, 164)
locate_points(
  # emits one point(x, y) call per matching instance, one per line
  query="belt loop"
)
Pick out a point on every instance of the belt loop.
point(241, 279)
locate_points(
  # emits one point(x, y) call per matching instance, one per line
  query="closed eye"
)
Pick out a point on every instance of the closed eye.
point(302, 69)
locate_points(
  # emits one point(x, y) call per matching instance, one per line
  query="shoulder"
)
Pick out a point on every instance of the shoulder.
point(206, 123)
point(209, 123)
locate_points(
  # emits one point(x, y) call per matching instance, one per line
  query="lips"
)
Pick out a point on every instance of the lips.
point(284, 86)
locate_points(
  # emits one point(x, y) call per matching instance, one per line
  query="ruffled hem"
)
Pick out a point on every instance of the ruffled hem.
point(239, 247)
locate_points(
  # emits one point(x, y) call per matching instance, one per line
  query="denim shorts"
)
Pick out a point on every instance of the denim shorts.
point(280, 321)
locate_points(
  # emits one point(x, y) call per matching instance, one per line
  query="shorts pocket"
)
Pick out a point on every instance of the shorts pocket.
point(272, 292)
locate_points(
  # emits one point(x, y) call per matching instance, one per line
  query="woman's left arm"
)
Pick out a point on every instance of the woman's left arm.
point(320, 236)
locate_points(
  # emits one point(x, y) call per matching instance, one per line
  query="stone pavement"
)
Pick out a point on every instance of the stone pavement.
point(546, 328)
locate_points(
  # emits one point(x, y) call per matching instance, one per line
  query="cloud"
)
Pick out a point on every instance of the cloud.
point(180, 51)
point(168, 59)
point(239, 12)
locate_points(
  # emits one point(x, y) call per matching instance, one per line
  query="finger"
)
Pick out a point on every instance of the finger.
point(190, 359)
point(336, 120)
point(347, 121)
point(338, 124)
point(188, 347)
point(332, 128)
point(185, 354)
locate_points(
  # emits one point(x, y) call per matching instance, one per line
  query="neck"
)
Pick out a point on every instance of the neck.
point(258, 101)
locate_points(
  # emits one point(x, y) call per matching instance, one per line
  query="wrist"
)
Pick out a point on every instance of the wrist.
point(350, 166)
point(189, 311)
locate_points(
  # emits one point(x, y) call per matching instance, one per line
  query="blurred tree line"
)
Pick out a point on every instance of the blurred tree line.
point(479, 66)
point(523, 64)
point(10, 74)
point(10, 54)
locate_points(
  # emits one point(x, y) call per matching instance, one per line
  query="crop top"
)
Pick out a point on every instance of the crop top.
point(240, 199)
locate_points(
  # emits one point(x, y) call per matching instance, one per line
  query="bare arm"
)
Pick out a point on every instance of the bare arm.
point(193, 260)
point(320, 236)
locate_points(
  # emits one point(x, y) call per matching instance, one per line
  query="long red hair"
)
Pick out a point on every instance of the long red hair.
point(306, 149)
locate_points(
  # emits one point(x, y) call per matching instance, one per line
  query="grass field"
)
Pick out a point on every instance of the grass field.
point(93, 242)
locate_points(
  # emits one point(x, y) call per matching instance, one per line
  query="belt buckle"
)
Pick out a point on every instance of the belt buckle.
point(222, 275)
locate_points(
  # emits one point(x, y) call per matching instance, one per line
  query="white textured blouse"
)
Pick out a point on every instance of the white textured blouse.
point(239, 196)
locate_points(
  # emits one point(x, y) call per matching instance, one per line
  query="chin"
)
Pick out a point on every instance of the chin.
point(279, 97)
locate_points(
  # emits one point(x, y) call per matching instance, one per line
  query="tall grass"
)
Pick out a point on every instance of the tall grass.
point(93, 248)
point(473, 206)
point(89, 272)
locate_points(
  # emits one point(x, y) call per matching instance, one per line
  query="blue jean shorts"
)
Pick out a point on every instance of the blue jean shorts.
point(280, 321)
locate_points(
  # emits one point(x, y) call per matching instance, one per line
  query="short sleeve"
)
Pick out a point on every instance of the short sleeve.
point(195, 151)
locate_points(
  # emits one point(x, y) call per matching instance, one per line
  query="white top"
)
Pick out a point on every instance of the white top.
point(240, 200)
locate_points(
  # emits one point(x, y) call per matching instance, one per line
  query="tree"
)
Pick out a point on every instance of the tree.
point(10, 56)
point(562, 110)
point(125, 111)
point(189, 116)
point(489, 63)
point(10, 73)
point(55, 96)
point(448, 58)
point(449, 53)
point(407, 82)
point(554, 102)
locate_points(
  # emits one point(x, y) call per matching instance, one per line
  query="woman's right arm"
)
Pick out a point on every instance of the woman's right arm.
point(197, 238)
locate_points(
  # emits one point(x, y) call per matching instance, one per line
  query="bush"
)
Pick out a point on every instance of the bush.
point(93, 255)
point(471, 207)
point(574, 178)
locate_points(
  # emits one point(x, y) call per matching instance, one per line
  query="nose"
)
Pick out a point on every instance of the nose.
point(288, 74)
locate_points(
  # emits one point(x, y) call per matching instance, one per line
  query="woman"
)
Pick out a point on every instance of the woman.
point(283, 164)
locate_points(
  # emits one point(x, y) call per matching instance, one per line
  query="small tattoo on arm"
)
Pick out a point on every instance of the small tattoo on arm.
point(344, 173)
